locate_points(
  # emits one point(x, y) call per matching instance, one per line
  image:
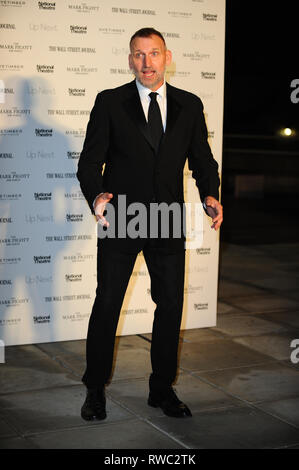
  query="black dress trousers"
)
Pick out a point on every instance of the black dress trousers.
point(166, 272)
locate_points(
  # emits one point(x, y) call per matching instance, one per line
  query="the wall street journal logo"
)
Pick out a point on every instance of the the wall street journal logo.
point(40, 319)
point(78, 29)
point(133, 11)
point(74, 217)
point(47, 5)
point(76, 91)
point(41, 68)
point(43, 196)
point(73, 277)
point(44, 132)
point(209, 17)
point(42, 259)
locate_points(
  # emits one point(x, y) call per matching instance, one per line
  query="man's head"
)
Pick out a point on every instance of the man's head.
point(149, 57)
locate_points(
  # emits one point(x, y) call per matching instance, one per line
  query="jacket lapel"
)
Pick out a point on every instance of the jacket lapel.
point(134, 109)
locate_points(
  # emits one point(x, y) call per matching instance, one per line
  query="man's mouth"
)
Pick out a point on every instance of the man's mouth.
point(148, 73)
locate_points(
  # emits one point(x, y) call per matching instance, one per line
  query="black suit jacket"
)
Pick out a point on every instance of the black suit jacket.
point(118, 155)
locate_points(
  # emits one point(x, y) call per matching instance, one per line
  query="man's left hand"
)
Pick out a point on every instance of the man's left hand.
point(215, 211)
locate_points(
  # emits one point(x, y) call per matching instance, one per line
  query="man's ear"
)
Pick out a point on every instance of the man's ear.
point(168, 57)
point(130, 61)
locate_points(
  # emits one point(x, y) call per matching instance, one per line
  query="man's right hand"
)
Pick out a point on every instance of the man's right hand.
point(99, 207)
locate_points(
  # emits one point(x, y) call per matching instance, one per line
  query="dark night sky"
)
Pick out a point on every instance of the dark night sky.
point(261, 62)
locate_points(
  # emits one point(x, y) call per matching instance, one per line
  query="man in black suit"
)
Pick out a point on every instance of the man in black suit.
point(142, 132)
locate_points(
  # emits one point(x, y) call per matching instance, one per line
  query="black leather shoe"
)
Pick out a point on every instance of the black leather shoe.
point(94, 406)
point(169, 403)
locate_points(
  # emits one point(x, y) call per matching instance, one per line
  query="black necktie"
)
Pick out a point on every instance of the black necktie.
point(155, 121)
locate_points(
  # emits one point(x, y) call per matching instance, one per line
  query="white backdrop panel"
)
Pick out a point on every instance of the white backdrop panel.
point(55, 58)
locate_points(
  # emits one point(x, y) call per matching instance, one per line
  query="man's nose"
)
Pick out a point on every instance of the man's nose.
point(147, 60)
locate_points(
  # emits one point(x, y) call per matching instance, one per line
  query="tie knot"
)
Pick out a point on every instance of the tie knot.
point(153, 95)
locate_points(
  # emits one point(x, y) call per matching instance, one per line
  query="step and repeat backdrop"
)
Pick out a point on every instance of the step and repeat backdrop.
point(55, 58)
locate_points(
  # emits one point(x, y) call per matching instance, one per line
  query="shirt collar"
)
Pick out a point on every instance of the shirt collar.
point(144, 92)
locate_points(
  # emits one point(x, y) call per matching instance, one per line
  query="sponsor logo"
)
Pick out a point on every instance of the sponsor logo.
point(203, 36)
point(10, 197)
point(9, 321)
point(76, 91)
point(78, 29)
point(40, 319)
point(39, 154)
point(86, 50)
point(68, 112)
point(209, 17)
point(11, 67)
point(43, 27)
point(203, 251)
point(78, 258)
point(61, 175)
point(74, 217)
point(5, 220)
point(111, 31)
point(10, 132)
point(44, 132)
point(136, 311)
point(6, 155)
point(13, 302)
point(47, 5)
point(38, 218)
point(133, 11)
point(63, 298)
point(14, 112)
point(41, 68)
point(180, 14)
point(42, 259)
point(38, 279)
point(43, 196)
point(208, 75)
point(79, 133)
point(12, 3)
point(196, 55)
point(10, 260)
point(15, 47)
point(83, 8)
point(67, 238)
point(73, 277)
point(75, 196)
point(5, 282)
point(201, 306)
point(13, 177)
point(81, 69)
point(73, 155)
point(76, 316)
point(14, 241)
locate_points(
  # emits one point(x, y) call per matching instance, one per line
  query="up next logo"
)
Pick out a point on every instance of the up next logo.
point(295, 354)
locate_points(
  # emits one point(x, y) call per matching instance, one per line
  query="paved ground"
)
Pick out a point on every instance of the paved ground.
point(237, 378)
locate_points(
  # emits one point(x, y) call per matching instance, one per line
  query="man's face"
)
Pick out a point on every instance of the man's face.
point(148, 60)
